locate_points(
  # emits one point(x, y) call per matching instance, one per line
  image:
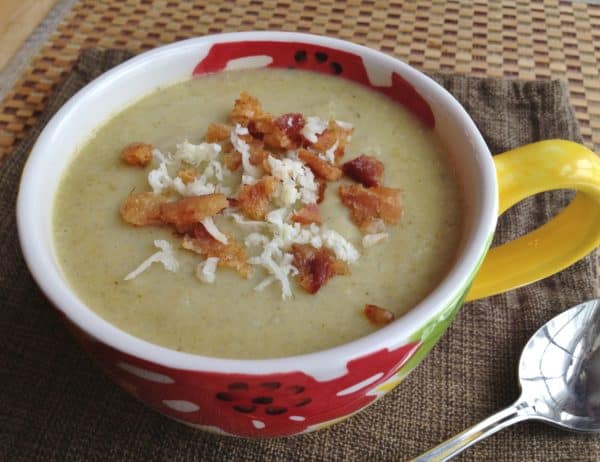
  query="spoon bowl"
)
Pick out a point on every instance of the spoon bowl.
point(559, 374)
point(559, 370)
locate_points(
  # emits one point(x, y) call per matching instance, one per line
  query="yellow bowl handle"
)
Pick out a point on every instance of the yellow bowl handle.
point(568, 237)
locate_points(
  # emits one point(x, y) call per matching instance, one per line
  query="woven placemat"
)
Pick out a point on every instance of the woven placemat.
point(55, 405)
point(512, 38)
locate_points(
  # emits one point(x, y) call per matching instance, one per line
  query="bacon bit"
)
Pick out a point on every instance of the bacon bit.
point(322, 184)
point(364, 169)
point(232, 160)
point(332, 134)
point(216, 133)
point(315, 266)
point(261, 124)
point(367, 205)
point(308, 214)
point(377, 315)
point(187, 175)
point(277, 139)
point(291, 124)
point(188, 211)
point(142, 209)
point(138, 154)
point(257, 152)
point(320, 167)
point(231, 255)
point(280, 133)
point(246, 108)
point(254, 199)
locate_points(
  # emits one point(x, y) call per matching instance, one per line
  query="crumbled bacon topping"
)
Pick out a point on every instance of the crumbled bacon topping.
point(311, 145)
point(377, 315)
point(364, 169)
point(282, 133)
point(232, 160)
point(260, 125)
point(217, 132)
point(367, 205)
point(188, 211)
point(246, 109)
point(231, 255)
point(315, 266)
point(258, 153)
point(142, 209)
point(254, 199)
point(291, 124)
point(333, 134)
point(187, 175)
point(308, 214)
point(320, 167)
point(138, 154)
point(322, 184)
point(279, 140)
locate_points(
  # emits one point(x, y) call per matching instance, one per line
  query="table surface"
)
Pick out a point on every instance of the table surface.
point(18, 18)
point(518, 38)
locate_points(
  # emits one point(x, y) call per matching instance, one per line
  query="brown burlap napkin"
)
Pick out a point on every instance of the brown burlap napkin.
point(56, 405)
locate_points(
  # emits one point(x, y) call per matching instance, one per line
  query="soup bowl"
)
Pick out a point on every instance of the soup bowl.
point(292, 395)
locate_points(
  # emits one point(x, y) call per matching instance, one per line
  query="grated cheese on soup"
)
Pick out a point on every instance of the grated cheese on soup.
point(165, 256)
point(206, 271)
point(275, 206)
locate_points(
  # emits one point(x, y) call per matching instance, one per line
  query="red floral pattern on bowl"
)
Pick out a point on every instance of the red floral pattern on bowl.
point(315, 58)
point(265, 405)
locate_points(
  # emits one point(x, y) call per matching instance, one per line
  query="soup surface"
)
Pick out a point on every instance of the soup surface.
point(229, 318)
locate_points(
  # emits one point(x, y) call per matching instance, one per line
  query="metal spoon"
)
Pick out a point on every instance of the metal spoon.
point(559, 373)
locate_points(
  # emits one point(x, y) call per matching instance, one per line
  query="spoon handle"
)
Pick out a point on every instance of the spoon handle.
point(502, 419)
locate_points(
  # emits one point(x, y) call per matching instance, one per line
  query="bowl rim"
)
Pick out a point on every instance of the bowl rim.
point(57, 290)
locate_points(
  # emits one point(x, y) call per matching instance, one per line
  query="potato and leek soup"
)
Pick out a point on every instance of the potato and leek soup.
point(257, 214)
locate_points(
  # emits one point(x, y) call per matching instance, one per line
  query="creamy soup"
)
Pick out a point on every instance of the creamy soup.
point(229, 318)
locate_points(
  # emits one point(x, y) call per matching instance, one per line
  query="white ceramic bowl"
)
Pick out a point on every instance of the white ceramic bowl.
point(313, 388)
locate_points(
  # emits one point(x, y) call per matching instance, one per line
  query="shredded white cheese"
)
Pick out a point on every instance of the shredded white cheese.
point(212, 229)
point(274, 258)
point(296, 181)
point(277, 216)
point(206, 270)
point(195, 154)
point(250, 171)
point(198, 187)
point(240, 220)
point(343, 249)
point(314, 126)
point(369, 240)
point(159, 157)
point(279, 266)
point(269, 240)
point(160, 179)
point(165, 256)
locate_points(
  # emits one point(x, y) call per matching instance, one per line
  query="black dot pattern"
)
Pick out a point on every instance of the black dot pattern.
point(300, 56)
point(321, 56)
point(336, 68)
point(270, 385)
point(267, 398)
